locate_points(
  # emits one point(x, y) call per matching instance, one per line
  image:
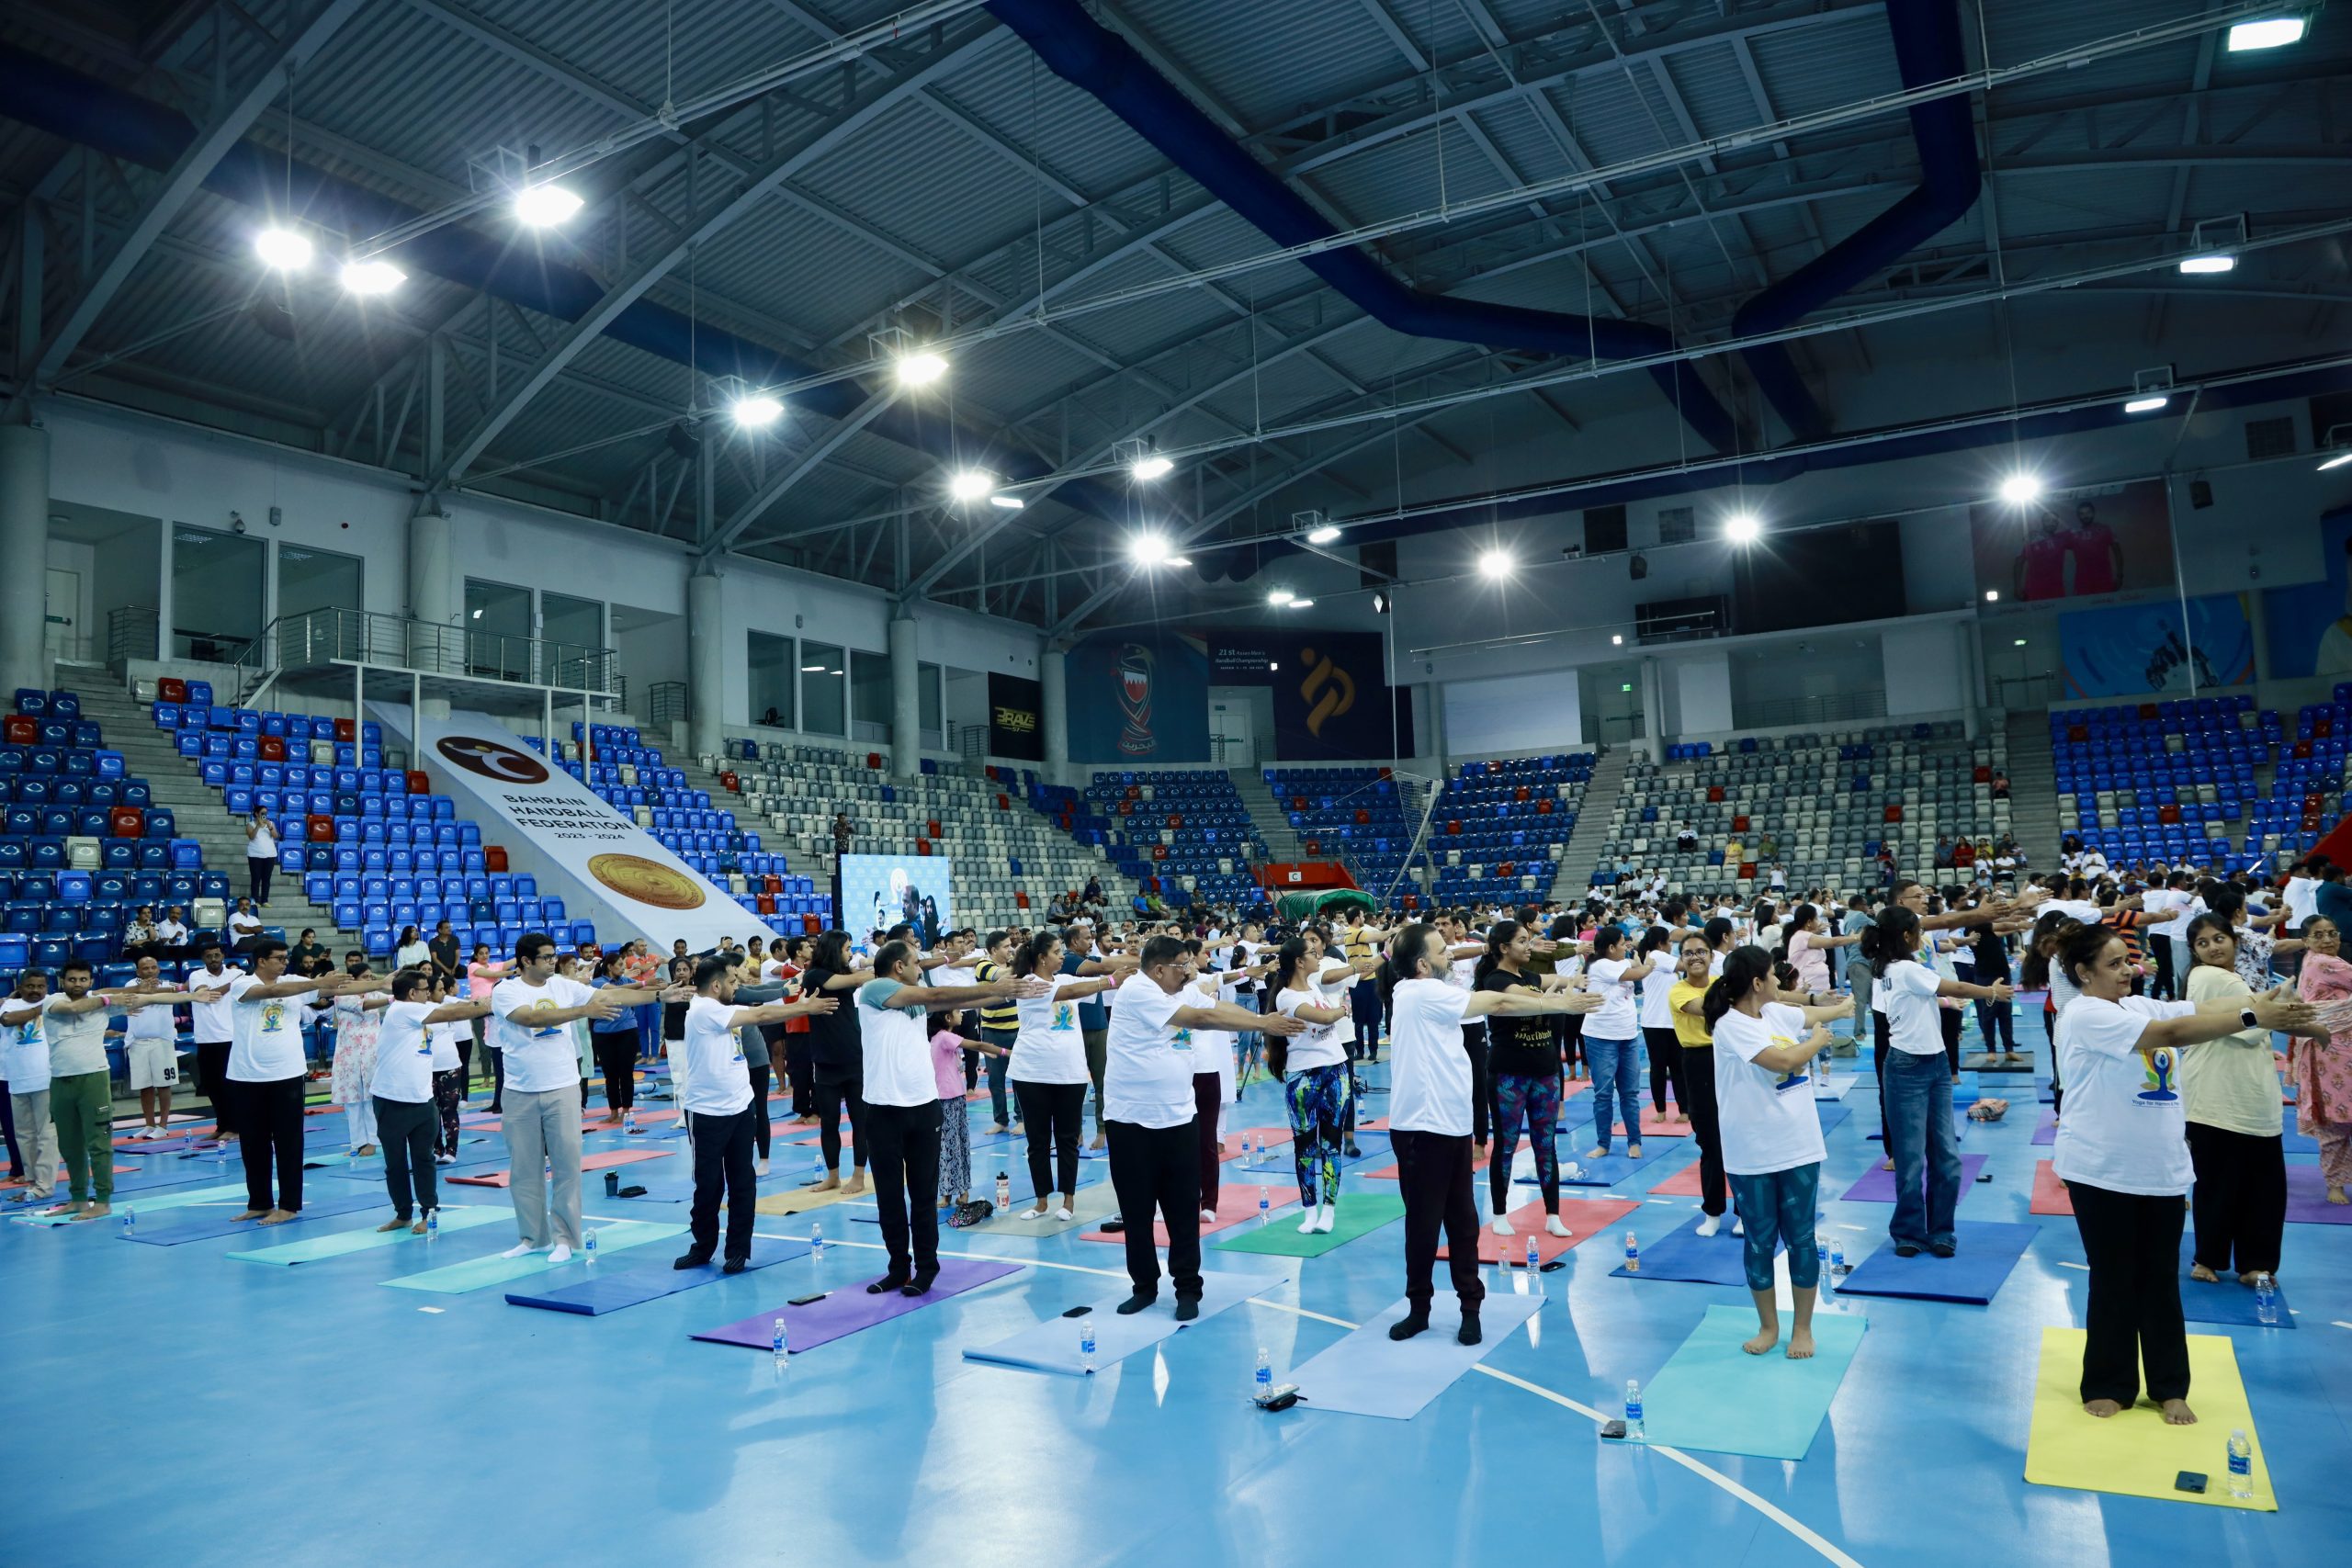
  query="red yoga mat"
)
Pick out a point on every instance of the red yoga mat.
point(1654, 1122)
point(649, 1119)
point(2050, 1194)
point(1684, 1183)
point(1388, 1172)
point(1234, 1205)
point(1588, 1217)
point(588, 1162)
point(1260, 1138)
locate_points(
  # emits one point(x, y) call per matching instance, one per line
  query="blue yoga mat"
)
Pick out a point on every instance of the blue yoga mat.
point(610, 1290)
point(1974, 1275)
point(1053, 1345)
point(2228, 1302)
point(1713, 1396)
point(1683, 1255)
point(1832, 1112)
point(1368, 1373)
point(203, 1225)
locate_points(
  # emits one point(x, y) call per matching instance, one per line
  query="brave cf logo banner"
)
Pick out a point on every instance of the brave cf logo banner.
point(603, 866)
point(1016, 718)
point(1138, 699)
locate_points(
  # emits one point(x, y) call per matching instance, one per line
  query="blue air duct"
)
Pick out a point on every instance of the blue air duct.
point(1926, 49)
point(80, 108)
point(1090, 56)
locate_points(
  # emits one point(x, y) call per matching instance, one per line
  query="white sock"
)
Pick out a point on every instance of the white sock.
point(1552, 1226)
point(561, 1254)
point(1738, 1225)
point(1711, 1224)
point(520, 1250)
point(1063, 1213)
point(1208, 1216)
point(1327, 1217)
point(1306, 1222)
point(1502, 1225)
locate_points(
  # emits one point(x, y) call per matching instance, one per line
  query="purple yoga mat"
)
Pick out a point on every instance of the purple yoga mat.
point(1877, 1186)
point(2307, 1198)
point(849, 1309)
point(2047, 1132)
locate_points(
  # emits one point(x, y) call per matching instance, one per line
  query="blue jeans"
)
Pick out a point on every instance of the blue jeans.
point(1779, 1209)
point(1925, 1149)
point(1616, 1087)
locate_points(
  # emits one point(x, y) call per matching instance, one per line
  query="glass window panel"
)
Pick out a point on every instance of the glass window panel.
point(769, 661)
point(824, 690)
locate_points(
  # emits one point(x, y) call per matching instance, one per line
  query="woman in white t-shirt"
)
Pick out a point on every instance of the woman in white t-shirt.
point(1430, 1114)
point(1312, 1067)
point(1917, 1092)
point(2123, 1150)
point(1656, 1015)
point(1048, 1070)
point(401, 1087)
point(1612, 1040)
point(1771, 1137)
point(2236, 1131)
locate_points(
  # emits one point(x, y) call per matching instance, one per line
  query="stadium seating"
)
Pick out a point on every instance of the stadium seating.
point(1184, 828)
point(1501, 827)
point(2171, 781)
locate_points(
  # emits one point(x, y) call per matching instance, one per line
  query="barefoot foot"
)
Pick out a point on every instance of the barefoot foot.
point(1801, 1345)
point(2102, 1408)
point(2178, 1413)
point(1765, 1339)
point(2200, 1272)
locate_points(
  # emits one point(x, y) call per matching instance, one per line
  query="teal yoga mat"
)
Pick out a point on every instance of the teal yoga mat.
point(149, 1203)
point(367, 1238)
point(476, 1273)
point(1713, 1397)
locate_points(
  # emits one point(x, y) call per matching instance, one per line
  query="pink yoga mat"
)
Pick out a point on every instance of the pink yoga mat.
point(118, 1170)
point(649, 1119)
point(849, 1309)
point(587, 1162)
point(1684, 1183)
point(1235, 1205)
point(1877, 1185)
point(2050, 1194)
point(1588, 1217)
point(1260, 1138)
point(1655, 1123)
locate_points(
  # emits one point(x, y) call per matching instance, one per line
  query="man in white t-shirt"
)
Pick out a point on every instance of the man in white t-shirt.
point(67, 1027)
point(266, 1075)
point(1147, 1111)
point(717, 1100)
point(531, 1013)
point(151, 1041)
point(212, 1024)
point(171, 931)
point(23, 1068)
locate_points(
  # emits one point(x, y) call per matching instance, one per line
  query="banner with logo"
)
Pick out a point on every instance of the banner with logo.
point(1138, 700)
point(2161, 647)
point(605, 867)
point(1332, 701)
point(1016, 717)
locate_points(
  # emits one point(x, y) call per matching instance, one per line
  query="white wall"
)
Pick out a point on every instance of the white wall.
point(1697, 695)
point(1926, 667)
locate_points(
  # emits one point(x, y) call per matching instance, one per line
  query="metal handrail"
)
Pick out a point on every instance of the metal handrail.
point(317, 638)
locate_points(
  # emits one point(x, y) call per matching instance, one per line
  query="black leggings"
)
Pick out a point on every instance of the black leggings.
point(616, 1059)
point(2134, 1319)
point(1706, 1126)
point(1952, 1018)
point(759, 1070)
point(1474, 1041)
point(830, 1098)
point(407, 1133)
point(1666, 1065)
point(1054, 1114)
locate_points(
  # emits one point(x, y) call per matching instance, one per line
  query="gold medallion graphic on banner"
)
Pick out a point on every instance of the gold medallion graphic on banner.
point(647, 881)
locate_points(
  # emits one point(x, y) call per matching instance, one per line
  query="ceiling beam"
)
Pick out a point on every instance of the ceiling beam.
point(805, 463)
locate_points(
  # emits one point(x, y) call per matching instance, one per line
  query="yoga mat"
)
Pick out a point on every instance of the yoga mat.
point(1610, 1170)
point(367, 1238)
point(587, 1162)
point(2050, 1197)
point(1236, 1205)
point(1653, 1125)
point(1832, 1113)
point(681, 1188)
point(1368, 1373)
point(1360, 1214)
point(849, 1309)
point(1682, 1254)
point(473, 1273)
point(1389, 1172)
point(797, 1202)
point(2226, 1302)
point(151, 1145)
point(593, 1124)
point(1052, 1346)
point(2045, 1131)
point(223, 1221)
point(1974, 1274)
point(1877, 1185)
point(1588, 1217)
point(2134, 1454)
point(1713, 1396)
point(1684, 1183)
point(1088, 1205)
point(62, 1177)
point(177, 1198)
point(609, 1290)
point(2307, 1202)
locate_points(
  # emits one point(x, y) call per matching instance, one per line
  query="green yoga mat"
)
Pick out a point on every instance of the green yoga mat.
point(150, 1203)
point(476, 1273)
point(367, 1238)
point(1360, 1214)
point(1713, 1396)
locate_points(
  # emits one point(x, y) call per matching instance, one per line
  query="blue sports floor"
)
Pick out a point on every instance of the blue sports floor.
point(170, 1403)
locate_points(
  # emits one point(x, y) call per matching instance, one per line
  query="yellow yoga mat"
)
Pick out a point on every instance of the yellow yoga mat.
point(799, 1203)
point(2135, 1454)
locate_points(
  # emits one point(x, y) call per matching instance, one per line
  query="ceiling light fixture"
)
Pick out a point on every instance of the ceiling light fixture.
point(2020, 643)
point(1150, 549)
point(1180, 560)
point(1323, 535)
point(2146, 405)
point(1279, 596)
point(1152, 465)
point(1992, 596)
point(1743, 528)
point(2021, 488)
point(374, 276)
point(1302, 604)
point(1496, 563)
point(756, 411)
point(921, 369)
point(544, 206)
point(2336, 462)
point(1010, 502)
point(1617, 640)
point(2267, 32)
point(283, 249)
point(2211, 262)
point(970, 484)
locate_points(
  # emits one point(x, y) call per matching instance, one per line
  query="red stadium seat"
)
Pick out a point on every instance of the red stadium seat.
point(1893, 814)
point(493, 859)
point(127, 822)
point(345, 730)
point(419, 782)
point(171, 689)
point(272, 748)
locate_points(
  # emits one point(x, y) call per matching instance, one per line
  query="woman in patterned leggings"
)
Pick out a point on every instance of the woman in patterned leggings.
point(1524, 1061)
point(1313, 1067)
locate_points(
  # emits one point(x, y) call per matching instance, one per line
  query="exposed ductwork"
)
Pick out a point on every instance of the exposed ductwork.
point(1926, 49)
point(1090, 56)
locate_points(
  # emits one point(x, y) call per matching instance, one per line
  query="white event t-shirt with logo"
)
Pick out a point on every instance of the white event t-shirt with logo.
point(266, 1043)
point(718, 1080)
point(539, 1057)
point(1768, 1119)
point(2126, 1127)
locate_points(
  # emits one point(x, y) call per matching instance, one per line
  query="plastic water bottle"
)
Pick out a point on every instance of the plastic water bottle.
point(588, 1245)
point(1572, 1171)
point(131, 1224)
point(1634, 1431)
point(1261, 1382)
point(1632, 1254)
point(816, 1238)
point(780, 1343)
point(432, 1224)
point(1534, 1262)
point(1837, 1264)
point(1085, 1344)
point(1262, 1206)
point(628, 1120)
point(2241, 1466)
point(1003, 1190)
point(2266, 1299)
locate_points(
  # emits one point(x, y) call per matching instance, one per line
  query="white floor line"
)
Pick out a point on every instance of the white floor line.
point(1828, 1550)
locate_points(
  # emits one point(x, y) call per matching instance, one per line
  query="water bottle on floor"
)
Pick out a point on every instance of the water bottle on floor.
point(1632, 1254)
point(2265, 1301)
point(1261, 1382)
point(1003, 1190)
point(628, 1120)
point(1634, 1431)
point(1086, 1343)
point(816, 1239)
point(1262, 1206)
point(432, 1224)
point(1837, 1267)
point(2241, 1466)
point(131, 1223)
point(1534, 1261)
point(780, 1344)
point(588, 1244)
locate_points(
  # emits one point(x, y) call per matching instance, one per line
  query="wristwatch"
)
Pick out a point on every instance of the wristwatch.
point(2245, 1017)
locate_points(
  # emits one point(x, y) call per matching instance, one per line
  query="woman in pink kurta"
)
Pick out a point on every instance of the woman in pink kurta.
point(2323, 1069)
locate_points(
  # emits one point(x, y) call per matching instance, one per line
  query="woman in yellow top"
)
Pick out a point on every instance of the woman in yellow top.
point(1687, 1000)
point(2230, 1091)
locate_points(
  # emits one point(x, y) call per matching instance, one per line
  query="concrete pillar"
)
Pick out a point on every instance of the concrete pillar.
point(1429, 723)
point(24, 557)
point(1972, 679)
point(706, 659)
point(906, 700)
point(1653, 711)
point(1052, 673)
point(438, 637)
